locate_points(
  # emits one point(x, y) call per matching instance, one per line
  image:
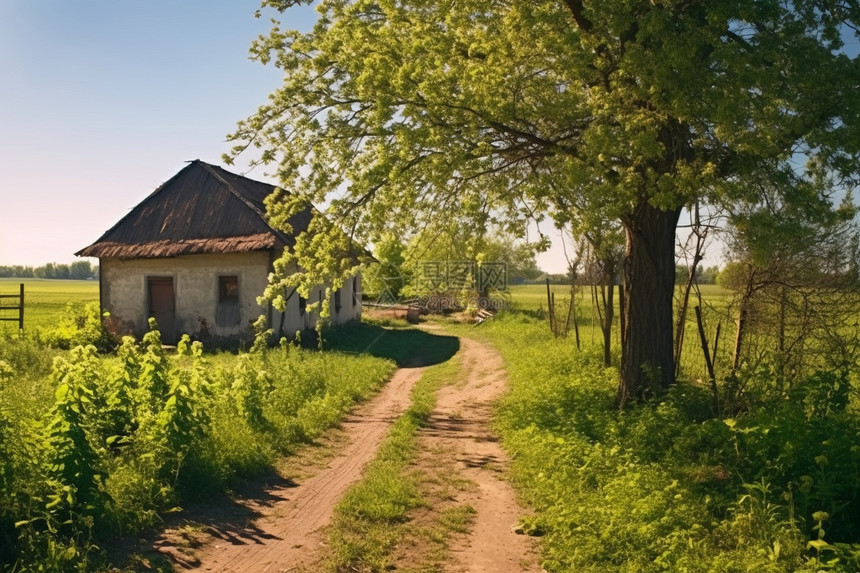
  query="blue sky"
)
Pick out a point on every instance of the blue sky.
point(103, 100)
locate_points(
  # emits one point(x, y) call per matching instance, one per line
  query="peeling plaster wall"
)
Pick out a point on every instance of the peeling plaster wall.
point(195, 284)
point(124, 294)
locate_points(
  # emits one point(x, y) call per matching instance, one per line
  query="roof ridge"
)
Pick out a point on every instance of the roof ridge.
point(178, 210)
point(211, 169)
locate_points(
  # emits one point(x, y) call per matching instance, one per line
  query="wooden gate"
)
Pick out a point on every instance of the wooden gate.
point(19, 307)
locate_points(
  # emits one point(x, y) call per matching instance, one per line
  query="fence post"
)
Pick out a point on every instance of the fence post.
point(21, 309)
point(549, 307)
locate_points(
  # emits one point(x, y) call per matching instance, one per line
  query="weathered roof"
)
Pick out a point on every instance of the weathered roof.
point(201, 209)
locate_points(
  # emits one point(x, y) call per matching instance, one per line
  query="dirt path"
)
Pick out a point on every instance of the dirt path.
point(460, 426)
point(286, 535)
point(277, 526)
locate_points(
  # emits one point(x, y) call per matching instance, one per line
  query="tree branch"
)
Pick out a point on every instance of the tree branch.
point(576, 9)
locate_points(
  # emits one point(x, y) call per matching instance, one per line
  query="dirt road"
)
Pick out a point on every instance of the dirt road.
point(284, 533)
point(460, 426)
point(287, 532)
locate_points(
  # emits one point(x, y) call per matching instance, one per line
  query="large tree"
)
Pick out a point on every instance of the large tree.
point(396, 112)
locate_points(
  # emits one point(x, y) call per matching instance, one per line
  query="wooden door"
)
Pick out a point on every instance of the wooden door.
point(163, 307)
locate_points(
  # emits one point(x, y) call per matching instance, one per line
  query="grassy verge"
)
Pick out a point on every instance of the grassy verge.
point(666, 486)
point(531, 301)
point(94, 447)
point(375, 515)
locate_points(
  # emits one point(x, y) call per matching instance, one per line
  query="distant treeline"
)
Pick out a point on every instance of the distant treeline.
point(77, 270)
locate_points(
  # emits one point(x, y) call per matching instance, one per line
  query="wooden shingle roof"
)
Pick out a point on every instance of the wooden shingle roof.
point(201, 209)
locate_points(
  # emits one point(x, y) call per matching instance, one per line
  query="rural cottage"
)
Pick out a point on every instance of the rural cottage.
point(197, 253)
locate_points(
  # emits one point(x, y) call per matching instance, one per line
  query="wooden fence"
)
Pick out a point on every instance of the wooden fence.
point(19, 307)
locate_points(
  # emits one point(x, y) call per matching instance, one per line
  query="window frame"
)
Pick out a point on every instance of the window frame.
point(227, 303)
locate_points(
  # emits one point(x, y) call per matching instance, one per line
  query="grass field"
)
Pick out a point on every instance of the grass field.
point(533, 297)
point(675, 484)
point(45, 300)
point(128, 437)
point(666, 486)
point(532, 300)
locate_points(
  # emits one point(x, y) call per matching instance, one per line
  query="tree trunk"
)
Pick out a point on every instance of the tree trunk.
point(647, 361)
point(622, 316)
point(573, 311)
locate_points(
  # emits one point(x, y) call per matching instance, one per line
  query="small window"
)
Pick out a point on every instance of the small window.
point(303, 305)
point(337, 304)
point(227, 313)
point(228, 289)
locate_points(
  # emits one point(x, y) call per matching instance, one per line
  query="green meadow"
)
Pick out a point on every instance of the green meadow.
point(715, 301)
point(767, 481)
point(45, 300)
point(94, 447)
point(764, 480)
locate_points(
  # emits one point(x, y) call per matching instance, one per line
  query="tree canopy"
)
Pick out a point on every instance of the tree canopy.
point(396, 113)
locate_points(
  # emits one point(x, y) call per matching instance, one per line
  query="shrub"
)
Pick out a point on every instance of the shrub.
point(80, 327)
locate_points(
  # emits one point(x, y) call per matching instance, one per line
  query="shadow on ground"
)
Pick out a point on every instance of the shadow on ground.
point(407, 347)
point(224, 519)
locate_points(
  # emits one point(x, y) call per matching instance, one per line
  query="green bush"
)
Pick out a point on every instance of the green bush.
point(80, 327)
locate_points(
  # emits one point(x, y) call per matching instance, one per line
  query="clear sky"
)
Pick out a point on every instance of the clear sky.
point(101, 101)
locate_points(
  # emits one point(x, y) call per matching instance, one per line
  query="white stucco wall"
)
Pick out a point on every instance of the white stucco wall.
point(195, 282)
point(295, 320)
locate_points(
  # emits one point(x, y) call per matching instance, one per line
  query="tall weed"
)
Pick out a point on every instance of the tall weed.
point(132, 436)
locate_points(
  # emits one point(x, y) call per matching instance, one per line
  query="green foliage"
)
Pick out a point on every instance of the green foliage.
point(78, 270)
point(733, 276)
point(80, 327)
point(130, 437)
point(384, 280)
point(24, 356)
point(10, 464)
point(667, 486)
point(403, 116)
point(706, 276)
